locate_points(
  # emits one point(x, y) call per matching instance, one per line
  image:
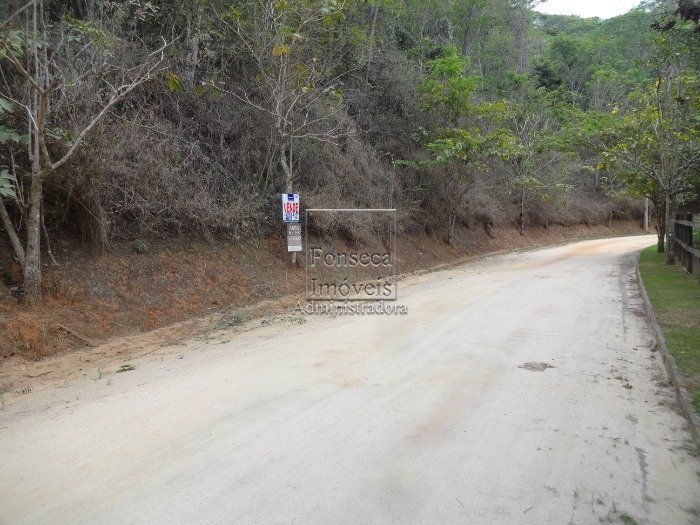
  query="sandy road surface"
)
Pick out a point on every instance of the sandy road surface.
point(429, 417)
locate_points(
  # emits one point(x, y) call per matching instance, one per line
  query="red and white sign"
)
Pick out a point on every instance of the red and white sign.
point(290, 207)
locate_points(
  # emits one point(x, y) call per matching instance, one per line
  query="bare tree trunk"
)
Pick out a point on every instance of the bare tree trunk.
point(39, 85)
point(452, 223)
point(90, 9)
point(11, 233)
point(670, 229)
point(85, 8)
point(287, 167)
point(519, 28)
point(646, 215)
point(466, 33)
point(522, 210)
point(660, 227)
point(193, 35)
point(373, 28)
point(32, 260)
point(288, 173)
point(47, 241)
point(421, 61)
point(99, 236)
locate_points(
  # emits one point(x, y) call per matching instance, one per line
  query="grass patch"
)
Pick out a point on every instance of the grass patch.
point(236, 320)
point(627, 519)
point(676, 299)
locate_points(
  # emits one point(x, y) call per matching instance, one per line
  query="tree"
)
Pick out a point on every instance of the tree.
point(467, 135)
point(567, 66)
point(658, 150)
point(664, 127)
point(33, 50)
point(295, 82)
point(539, 159)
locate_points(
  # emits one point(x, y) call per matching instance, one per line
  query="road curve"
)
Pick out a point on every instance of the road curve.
point(519, 389)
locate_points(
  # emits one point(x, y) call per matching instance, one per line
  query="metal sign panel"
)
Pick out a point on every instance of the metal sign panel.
point(294, 237)
point(290, 207)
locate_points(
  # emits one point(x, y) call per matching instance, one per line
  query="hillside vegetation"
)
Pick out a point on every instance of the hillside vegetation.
point(128, 120)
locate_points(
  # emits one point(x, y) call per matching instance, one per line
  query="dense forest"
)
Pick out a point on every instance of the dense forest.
point(130, 119)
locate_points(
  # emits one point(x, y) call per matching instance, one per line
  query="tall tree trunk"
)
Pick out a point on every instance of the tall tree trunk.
point(372, 30)
point(32, 259)
point(93, 224)
point(519, 29)
point(451, 225)
point(90, 9)
point(47, 240)
point(11, 233)
point(645, 224)
point(286, 164)
point(466, 33)
point(192, 38)
point(660, 211)
point(660, 242)
point(522, 210)
point(670, 229)
point(39, 85)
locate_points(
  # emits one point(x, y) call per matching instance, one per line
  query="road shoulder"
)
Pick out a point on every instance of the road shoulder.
point(677, 377)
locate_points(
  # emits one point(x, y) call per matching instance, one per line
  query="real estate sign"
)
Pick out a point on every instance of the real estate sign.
point(294, 237)
point(290, 207)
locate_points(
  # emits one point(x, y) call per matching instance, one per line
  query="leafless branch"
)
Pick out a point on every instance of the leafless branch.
point(147, 73)
point(17, 12)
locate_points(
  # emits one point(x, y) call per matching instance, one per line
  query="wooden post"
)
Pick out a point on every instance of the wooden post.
point(688, 255)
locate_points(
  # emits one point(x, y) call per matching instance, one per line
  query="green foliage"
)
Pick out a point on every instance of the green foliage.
point(448, 87)
point(8, 134)
point(7, 184)
point(481, 92)
point(592, 62)
point(140, 246)
point(470, 146)
point(60, 134)
point(456, 144)
point(466, 139)
point(567, 66)
point(235, 320)
point(656, 144)
point(172, 82)
point(85, 30)
point(14, 40)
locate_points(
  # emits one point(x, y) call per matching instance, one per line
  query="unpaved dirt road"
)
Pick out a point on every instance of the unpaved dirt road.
point(431, 417)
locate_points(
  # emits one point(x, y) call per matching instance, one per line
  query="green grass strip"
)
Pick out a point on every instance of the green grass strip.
point(675, 296)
